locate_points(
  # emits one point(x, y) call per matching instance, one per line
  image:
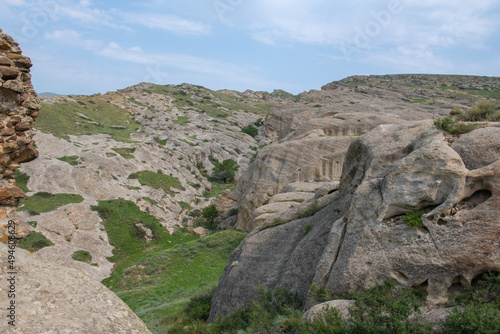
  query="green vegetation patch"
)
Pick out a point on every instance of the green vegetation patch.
point(125, 152)
point(157, 279)
point(413, 219)
point(72, 160)
point(450, 125)
point(251, 130)
point(479, 310)
point(158, 181)
point(310, 211)
point(182, 120)
point(22, 180)
point(89, 115)
point(46, 202)
point(82, 256)
point(35, 241)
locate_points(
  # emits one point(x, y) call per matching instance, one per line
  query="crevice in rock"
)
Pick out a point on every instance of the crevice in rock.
point(458, 285)
point(471, 202)
point(482, 275)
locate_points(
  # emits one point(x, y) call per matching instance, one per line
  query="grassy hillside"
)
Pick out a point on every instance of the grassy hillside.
point(158, 278)
point(86, 115)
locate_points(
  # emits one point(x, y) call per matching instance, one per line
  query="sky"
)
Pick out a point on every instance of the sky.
point(87, 47)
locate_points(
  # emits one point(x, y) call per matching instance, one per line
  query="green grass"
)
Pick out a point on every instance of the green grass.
point(22, 180)
point(157, 279)
point(125, 152)
point(160, 141)
point(46, 202)
point(82, 256)
point(221, 105)
point(218, 188)
point(35, 241)
point(182, 120)
point(101, 117)
point(185, 206)
point(188, 142)
point(158, 181)
point(72, 160)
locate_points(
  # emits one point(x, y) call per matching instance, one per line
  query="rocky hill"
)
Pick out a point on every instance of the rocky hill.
point(361, 186)
point(327, 184)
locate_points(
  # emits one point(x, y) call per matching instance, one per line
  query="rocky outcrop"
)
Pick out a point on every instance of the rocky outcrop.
point(303, 133)
point(361, 238)
point(43, 296)
point(50, 298)
point(19, 108)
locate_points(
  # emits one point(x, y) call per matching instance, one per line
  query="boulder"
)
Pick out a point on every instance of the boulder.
point(362, 236)
point(479, 148)
point(50, 298)
point(341, 305)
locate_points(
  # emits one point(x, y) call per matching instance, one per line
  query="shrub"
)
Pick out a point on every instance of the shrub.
point(450, 125)
point(484, 110)
point(225, 171)
point(481, 308)
point(250, 130)
point(199, 306)
point(210, 213)
point(414, 218)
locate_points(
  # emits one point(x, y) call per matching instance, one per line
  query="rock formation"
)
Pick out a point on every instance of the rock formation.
point(47, 297)
point(19, 108)
point(360, 238)
point(311, 136)
point(50, 298)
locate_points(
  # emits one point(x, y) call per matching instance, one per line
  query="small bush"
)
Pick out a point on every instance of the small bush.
point(473, 319)
point(450, 125)
point(483, 111)
point(250, 130)
point(225, 171)
point(82, 256)
point(210, 213)
point(413, 219)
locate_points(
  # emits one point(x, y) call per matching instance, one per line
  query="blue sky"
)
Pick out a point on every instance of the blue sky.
point(86, 47)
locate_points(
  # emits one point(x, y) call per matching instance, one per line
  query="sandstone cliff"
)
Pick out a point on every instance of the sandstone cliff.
point(360, 237)
point(311, 136)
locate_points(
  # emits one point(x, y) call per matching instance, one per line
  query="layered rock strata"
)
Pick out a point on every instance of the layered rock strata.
point(360, 238)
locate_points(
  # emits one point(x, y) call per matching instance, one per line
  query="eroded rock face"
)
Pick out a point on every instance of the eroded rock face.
point(313, 159)
point(388, 172)
point(54, 299)
point(19, 108)
point(49, 297)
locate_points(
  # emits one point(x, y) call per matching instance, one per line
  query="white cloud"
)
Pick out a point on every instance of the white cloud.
point(73, 38)
point(169, 23)
point(422, 23)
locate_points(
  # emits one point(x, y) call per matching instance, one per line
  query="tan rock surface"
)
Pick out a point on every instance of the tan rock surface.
point(51, 298)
